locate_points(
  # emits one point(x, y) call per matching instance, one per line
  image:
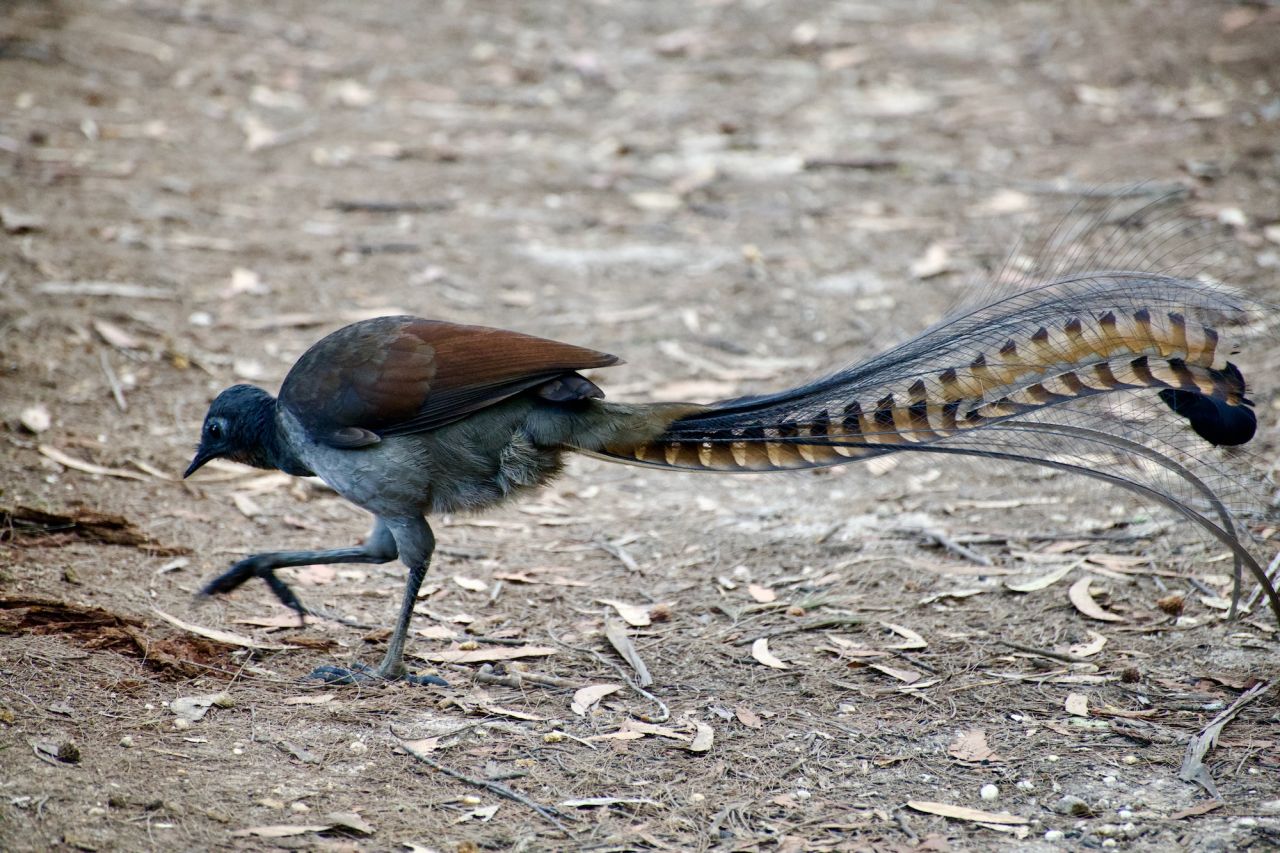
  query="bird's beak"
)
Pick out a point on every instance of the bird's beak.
point(202, 456)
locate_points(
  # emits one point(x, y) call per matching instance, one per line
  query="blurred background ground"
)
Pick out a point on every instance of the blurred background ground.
point(731, 196)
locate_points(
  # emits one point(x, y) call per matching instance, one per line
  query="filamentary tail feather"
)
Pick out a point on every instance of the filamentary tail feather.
point(1121, 376)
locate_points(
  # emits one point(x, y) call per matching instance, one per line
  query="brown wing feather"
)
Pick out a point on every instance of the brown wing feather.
point(396, 375)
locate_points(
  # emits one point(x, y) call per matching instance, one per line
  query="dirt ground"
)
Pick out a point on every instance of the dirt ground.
point(730, 195)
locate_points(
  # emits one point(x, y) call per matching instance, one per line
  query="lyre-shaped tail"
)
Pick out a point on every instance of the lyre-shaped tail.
point(1122, 376)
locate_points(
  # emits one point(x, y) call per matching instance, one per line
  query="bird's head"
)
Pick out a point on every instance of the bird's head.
point(240, 426)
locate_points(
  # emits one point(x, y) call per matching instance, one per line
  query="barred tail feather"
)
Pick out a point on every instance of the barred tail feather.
point(1121, 376)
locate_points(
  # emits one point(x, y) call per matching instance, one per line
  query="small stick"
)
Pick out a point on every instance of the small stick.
point(1044, 653)
point(1257, 590)
point(870, 164)
point(518, 680)
point(956, 548)
point(622, 555)
point(116, 390)
point(1193, 769)
point(547, 812)
point(358, 206)
point(816, 625)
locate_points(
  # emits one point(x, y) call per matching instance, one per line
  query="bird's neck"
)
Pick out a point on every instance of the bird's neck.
point(270, 447)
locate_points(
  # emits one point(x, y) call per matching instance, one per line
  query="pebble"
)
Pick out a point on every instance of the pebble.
point(1071, 805)
point(1054, 835)
point(1026, 785)
point(989, 793)
point(299, 807)
point(126, 741)
point(358, 747)
point(35, 419)
point(1130, 759)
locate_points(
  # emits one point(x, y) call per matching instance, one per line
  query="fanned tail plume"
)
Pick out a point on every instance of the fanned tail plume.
point(1123, 376)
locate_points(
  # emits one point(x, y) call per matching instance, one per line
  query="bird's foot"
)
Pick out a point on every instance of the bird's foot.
point(255, 567)
point(362, 674)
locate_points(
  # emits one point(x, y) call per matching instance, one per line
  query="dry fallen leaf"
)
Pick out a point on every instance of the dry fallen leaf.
point(703, 739)
point(1077, 704)
point(761, 594)
point(964, 813)
point(116, 336)
point(500, 711)
point(495, 653)
point(748, 718)
point(349, 821)
point(279, 830)
point(632, 614)
point(907, 676)
point(1083, 601)
point(421, 746)
point(971, 745)
point(1041, 581)
point(617, 637)
point(591, 802)
point(935, 261)
point(193, 708)
point(913, 640)
point(337, 820)
point(483, 814)
point(760, 651)
point(644, 728)
point(218, 635)
point(585, 698)
point(1095, 645)
point(471, 584)
point(87, 467)
point(248, 506)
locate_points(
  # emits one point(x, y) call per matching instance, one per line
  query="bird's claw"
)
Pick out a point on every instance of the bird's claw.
point(251, 567)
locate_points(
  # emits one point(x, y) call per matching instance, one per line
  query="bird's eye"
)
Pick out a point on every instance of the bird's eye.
point(214, 429)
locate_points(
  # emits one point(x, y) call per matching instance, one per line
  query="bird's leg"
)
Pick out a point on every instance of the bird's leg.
point(416, 543)
point(379, 547)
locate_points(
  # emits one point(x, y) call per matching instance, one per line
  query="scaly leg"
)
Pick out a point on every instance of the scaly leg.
point(416, 543)
point(379, 547)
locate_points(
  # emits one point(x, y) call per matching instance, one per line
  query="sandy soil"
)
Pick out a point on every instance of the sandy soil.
point(730, 195)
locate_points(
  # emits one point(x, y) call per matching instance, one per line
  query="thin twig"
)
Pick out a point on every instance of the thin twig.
point(620, 553)
point(815, 625)
point(116, 390)
point(370, 206)
point(625, 676)
point(956, 548)
point(547, 812)
point(1044, 653)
